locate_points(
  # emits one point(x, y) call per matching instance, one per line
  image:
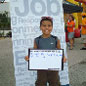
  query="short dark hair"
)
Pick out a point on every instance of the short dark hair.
point(46, 18)
point(72, 17)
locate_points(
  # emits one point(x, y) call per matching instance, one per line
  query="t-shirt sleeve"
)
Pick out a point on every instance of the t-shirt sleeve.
point(73, 23)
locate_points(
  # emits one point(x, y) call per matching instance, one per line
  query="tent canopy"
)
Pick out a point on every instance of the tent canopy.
point(71, 8)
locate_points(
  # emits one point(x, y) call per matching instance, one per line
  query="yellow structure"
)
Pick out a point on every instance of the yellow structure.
point(73, 1)
point(84, 7)
point(77, 16)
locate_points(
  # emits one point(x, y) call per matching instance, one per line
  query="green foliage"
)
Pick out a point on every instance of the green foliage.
point(1, 34)
point(4, 21)
point(9, 34)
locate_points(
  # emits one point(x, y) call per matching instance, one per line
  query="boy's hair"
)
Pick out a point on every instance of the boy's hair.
point(46, 18)
point(72, 17)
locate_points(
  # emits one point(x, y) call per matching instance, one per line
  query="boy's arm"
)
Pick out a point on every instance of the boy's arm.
point(35, 47)
point(71, 25)
point(58, 44)
point(59, 47)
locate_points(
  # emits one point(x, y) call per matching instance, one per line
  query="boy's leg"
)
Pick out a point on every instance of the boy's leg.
point(41, 78)
point(53, 78)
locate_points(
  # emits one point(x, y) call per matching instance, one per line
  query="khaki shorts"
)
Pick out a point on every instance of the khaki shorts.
point(83, 37)
point(71, 35)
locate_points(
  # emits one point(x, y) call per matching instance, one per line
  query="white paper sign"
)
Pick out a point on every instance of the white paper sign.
point(46, 59)
point(25, 23)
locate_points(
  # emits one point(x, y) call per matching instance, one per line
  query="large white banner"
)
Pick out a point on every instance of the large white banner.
point(25, 22)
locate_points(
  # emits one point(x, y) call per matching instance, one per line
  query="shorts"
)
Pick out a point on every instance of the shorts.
point(70, 35)
point(83, 37)
point(44, 76)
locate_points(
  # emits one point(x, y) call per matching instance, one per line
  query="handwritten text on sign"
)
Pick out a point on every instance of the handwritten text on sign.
point(46, 59)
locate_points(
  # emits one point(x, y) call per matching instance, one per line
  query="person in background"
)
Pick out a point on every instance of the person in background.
point(83, 31)
point(70, 28)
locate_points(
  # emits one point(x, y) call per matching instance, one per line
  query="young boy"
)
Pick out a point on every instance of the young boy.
point(47, 41)
point(70, 28)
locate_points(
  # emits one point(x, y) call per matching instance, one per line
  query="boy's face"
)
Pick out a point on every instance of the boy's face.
point(46, 27)
point(70, 18)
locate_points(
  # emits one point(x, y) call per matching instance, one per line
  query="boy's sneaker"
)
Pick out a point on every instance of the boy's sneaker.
point(83, 48)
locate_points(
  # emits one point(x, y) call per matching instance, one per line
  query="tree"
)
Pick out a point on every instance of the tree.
point(4, 21)
point(2, 1)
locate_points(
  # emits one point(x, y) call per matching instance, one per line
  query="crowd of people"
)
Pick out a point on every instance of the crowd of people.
point(70, 30)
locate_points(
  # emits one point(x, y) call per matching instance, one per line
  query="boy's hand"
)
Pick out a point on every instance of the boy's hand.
point(64, 59)
point(26, 58)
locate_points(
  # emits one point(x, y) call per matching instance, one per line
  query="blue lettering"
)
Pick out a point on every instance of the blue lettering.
point(38, 8)
point(41, 6)
point(49, 7)
point(19, 57)
point(26, 9)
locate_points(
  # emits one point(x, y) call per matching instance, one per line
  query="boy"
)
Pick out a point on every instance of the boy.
point(47, 41)
point(70, 28)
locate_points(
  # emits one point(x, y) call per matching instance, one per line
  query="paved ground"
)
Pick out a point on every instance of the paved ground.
point(6, 63)
point(77, 64)
point(76, 57)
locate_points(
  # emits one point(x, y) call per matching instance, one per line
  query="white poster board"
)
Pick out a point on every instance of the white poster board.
point(25, 23)
point(45, 59)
